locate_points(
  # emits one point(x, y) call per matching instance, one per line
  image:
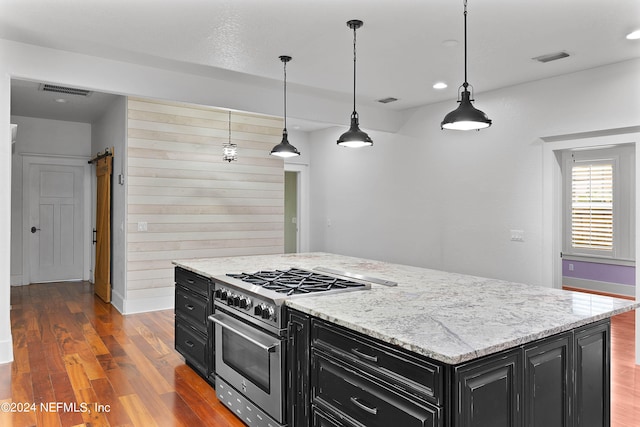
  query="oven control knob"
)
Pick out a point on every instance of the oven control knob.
point(245, 303)
point(222, 294)
point(230, 298)
point(268, 312)
point(258, 310)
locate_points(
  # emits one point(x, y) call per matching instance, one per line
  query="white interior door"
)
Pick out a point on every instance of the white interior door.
point(56, 222)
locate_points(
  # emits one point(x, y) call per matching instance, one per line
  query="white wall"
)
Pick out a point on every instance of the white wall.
point(110, 131)
point(43, 137)
point(448, 200)
point(6, 345)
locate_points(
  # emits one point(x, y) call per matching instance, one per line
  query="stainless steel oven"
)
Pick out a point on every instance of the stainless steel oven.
point(251, 338)
point(250, 369)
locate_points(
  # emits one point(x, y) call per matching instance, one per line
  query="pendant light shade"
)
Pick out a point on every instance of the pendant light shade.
point(285, 149)
point(466, 116)
point(354, 137)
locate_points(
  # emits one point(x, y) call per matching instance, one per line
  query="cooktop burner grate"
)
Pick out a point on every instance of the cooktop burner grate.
point(296, 281)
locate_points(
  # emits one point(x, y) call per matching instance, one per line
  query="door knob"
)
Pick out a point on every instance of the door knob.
point(33, 229)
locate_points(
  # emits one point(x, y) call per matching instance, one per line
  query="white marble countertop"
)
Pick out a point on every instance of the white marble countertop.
point(449, 317)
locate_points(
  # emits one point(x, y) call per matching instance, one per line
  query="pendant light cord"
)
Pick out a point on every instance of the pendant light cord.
point(465, 84)
point(354, 70)
point(285, 95)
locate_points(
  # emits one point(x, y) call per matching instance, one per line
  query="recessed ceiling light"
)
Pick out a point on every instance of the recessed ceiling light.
point(440, 85)
point(61, 100)
point(450, 43)
point(635, 35)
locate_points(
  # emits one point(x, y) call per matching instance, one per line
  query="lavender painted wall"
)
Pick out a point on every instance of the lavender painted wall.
point(620, 274)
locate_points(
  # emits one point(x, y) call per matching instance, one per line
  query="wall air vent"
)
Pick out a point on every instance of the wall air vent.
point(63, 89)
point(551, 57)
point(387, 100)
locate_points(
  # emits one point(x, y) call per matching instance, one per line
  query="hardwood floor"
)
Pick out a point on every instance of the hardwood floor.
point(72, 349)
point(625, 374)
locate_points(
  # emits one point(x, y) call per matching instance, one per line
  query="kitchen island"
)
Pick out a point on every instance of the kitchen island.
point(440, 348)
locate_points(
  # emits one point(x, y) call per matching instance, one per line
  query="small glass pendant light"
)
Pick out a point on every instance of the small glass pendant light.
point(230, 150)
point(354, 137)
point(466, 116)
point(285, 149)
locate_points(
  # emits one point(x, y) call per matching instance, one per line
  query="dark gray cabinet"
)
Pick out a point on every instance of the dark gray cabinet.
point(593, 375)
point(548, 381)
point(193, 333)
point(298, 361)
point(488, 393)
point(355, 380)
point(359, 381)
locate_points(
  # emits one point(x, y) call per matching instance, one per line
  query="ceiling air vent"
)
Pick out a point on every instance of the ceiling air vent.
point(551, 57)
point(65, 90)
point(387, 100)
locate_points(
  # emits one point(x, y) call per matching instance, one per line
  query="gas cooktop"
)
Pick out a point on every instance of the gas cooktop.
point(297, 281)
point(260, 296)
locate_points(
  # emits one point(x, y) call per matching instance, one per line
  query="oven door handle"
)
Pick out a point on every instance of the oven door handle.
point(268, 348)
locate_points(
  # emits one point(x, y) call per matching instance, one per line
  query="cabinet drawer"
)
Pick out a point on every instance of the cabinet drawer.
point(192, 307)
point(322, 419)
point(407, 372)
point(192, 345)
point(340, 387)
point(192, 281)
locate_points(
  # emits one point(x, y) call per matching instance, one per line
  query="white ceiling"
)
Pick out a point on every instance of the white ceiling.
point(401, 52)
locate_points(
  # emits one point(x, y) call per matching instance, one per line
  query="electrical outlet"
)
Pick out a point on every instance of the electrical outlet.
point(142, 226)
point(517, 235)
point(570, 267)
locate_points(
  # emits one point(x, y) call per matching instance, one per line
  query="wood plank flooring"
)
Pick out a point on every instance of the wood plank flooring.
point(72, 349)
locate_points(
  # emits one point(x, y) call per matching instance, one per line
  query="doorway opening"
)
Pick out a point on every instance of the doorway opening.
point(296, 202)
point(553, 204)
point(290, 212)
point(598, 249)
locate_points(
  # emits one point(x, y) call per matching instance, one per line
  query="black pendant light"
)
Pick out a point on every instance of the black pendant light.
point(284, 149)
point(466, 116)
point(354, 137)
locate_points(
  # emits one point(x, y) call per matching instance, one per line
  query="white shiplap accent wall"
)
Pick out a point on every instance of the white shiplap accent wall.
point(194, 203)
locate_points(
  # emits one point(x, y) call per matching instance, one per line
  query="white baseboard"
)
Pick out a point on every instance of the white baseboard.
point(117, 300)
point(6, 350)
point(149, 300)
point(593, 285)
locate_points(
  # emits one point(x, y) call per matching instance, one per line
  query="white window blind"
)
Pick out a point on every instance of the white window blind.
point(592, 206)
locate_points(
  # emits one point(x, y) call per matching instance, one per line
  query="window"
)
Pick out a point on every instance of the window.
point(599, 203)
point(592, 205)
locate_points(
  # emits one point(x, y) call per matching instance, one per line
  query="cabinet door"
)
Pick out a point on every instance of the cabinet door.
point(548, 382)
point(592, 369)
point(488, 391)
point(298, 361)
